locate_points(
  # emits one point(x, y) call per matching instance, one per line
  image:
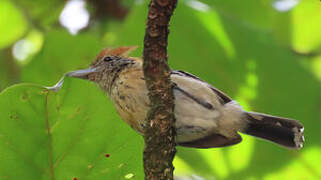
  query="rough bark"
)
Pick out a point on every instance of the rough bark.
point(159, 131)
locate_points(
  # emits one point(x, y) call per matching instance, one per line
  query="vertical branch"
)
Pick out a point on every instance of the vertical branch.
point(159, 133)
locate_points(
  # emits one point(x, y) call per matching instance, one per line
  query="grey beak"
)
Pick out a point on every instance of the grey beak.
point(83, 73)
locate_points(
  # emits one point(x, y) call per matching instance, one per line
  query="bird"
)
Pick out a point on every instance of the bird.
point(205, 116)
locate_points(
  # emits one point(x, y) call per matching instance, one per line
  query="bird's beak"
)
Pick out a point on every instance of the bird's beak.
point(83, 73)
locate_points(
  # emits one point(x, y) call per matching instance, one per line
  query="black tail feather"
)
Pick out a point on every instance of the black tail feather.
point(285, 132)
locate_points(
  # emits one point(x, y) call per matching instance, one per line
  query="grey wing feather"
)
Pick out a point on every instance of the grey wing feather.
point(199, 109)
point(223, 97)
point(194, 98)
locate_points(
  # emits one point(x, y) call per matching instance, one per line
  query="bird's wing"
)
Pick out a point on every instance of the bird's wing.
point(184, 81)
point(198, 109)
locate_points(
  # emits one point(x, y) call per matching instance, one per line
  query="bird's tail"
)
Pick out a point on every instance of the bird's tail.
point(285, 132)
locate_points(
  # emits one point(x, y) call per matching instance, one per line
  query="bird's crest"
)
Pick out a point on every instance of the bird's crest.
point(120, 51)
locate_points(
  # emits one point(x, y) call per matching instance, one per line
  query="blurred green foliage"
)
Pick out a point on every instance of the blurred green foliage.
point(270, 61)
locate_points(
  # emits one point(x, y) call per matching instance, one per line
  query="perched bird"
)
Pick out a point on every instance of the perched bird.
point(205, 116)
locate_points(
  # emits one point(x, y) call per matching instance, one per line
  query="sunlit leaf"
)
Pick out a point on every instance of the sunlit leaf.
point(303, 166)
point(298, 29)
point(13, 24)
point(252, 13)
point(306, 32)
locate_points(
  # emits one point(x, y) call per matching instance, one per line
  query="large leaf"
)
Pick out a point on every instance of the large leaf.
point(73, 134)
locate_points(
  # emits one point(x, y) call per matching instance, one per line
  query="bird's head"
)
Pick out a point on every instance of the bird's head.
point(106, 66)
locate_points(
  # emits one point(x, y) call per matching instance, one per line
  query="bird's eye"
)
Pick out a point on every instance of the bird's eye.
point(108, 58)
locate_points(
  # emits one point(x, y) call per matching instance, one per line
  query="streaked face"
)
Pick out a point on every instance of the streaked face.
point(99, 68)
point(108, 66)
point(107, 61)
point(104, 71)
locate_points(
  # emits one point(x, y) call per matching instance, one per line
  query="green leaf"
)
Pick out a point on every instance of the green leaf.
point(302, 169)
point(233, 45)
point(12, 23)
point(252, 13)
point(75, 133)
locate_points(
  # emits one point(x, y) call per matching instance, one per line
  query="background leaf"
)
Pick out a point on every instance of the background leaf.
point(61, 52)
point(12, 23)
point(41, 13)
point(252, 67)
point(268, 60)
